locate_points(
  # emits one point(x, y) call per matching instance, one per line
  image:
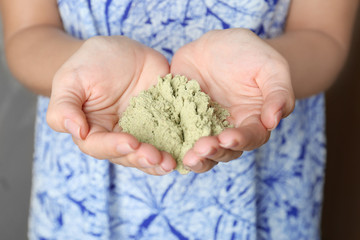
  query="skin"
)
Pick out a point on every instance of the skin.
point(259, 89)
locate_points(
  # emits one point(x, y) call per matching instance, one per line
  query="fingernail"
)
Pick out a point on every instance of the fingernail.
point(124, 149)
point(208, 152)
point(72, 128)
point(227, 144)
point(143, 162)
point(278, 117)
point(159, 170)
point(198, 165)
point(167, 166)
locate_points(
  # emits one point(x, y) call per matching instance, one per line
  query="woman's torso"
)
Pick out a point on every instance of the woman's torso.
point(271, 193)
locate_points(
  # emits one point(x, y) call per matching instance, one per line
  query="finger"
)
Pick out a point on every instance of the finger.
point(208, 147)
point(65, 112)
point(277, 105)
point(225, 155)
point(168, 163)
point(278, 94)
point(67, 116)
point(147, 156)
point(244, 138)
point(106, 145)
point(136, 160)
point(197, 164)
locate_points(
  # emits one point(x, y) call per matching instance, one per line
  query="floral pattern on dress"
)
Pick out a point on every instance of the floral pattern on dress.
point(274, 192)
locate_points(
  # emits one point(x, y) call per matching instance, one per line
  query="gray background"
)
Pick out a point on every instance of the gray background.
point(17, 113)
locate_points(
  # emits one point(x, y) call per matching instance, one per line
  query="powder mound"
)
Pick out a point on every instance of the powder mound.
point(173, 115)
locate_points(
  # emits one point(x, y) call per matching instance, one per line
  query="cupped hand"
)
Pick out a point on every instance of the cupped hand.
point(245, 75)
point(93, 88)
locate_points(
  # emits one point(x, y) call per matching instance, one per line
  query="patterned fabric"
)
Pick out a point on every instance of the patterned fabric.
point(274, 192)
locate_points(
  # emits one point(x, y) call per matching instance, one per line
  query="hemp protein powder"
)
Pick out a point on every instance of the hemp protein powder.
point(173, 115)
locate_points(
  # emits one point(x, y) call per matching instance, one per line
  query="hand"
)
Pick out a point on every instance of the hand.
point(245, 75)
point(93, 88)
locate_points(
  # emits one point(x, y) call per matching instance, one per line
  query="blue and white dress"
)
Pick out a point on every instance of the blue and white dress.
point(274, 192)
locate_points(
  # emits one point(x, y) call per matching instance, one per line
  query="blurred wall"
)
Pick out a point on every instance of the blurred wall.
point(341, 211)
point(17, 113)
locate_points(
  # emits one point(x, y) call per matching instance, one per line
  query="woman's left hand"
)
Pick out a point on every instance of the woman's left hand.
point(246, 76)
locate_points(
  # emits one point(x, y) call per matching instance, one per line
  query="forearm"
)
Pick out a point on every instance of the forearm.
point(36, 53)
point(315, 59)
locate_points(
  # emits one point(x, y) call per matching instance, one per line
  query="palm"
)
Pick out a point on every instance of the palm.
point(94, 87)
point(245, 75)
point(235, 91)
point(108, 74)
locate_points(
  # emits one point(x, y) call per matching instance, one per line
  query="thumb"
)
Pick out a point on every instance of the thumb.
point(279, 98)
point(277, 105)
point(65, 112)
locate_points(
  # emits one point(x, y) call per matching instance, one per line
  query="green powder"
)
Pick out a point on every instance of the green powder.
point(173, 115)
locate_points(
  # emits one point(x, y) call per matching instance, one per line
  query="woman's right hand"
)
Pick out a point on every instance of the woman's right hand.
point(93, 88)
